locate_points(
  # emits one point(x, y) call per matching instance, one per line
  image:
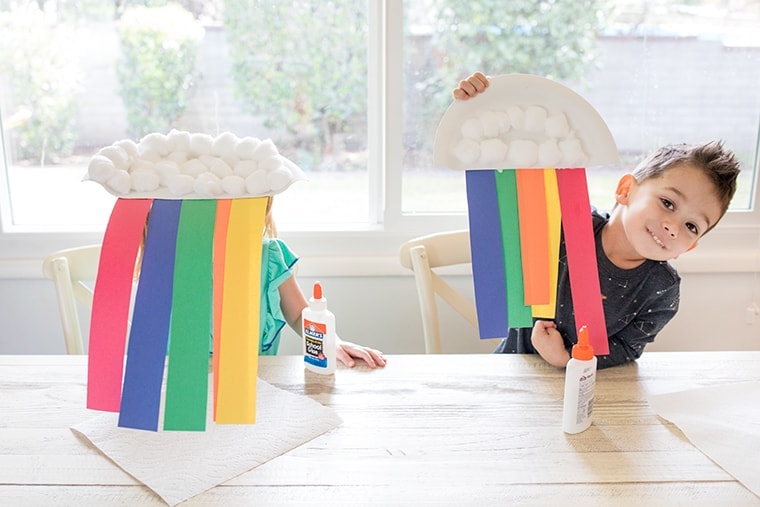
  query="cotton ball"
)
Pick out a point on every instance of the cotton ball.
point(129, 146)
point(492, 151)
point(246, 147)
point(549, 154)
point(256, 183)
point(144, 181)
point(270, 164)
point(572, 152)
point(201, 144)
point(220, 168)
point(245, 167)
point(207, 187)
point(118, 156)
point(472, 129)
point(264, 150)
point(193, 167)
point(181, 184)
point(149, 153)
point(522, 153)
point(535, 118)
point(279, 180)
point(142, 165)
point(557, 126)
point(224, 145)
point(178, 140)
point(516, 117)
point(489, 123)
point(502, 118)
point(165, 170)
point(120, 182)
point(466, 151)
point(100, 168)
point(154, 142)
point(233, 185)
point(207, 160)
point(177, 156)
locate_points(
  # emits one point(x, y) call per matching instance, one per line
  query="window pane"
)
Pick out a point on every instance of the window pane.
point(658, 73)
point(80, 79)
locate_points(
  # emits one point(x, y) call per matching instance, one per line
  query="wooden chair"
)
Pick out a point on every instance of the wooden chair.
point(70, 269)
point(422, 255)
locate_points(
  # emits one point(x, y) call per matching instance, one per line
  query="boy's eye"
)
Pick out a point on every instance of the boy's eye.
point(667, 203)
point(693, 228)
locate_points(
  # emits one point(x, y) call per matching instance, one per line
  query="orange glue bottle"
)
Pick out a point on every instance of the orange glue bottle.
point(318, 333)
point(580, 383)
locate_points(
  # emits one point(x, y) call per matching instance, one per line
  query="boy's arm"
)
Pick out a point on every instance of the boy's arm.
point(476, 83)
point(549, 344)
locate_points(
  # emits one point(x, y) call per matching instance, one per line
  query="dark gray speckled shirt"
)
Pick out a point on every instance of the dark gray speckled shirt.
point(637, 304)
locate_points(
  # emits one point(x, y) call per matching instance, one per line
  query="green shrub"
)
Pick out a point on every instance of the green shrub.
point(42, 81)
point(157, 70)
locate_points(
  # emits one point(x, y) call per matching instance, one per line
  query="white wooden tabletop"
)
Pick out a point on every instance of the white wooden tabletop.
point(458, 430)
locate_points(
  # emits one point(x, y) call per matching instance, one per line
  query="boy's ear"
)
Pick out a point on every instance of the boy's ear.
point(693, 246)
point(624, 188)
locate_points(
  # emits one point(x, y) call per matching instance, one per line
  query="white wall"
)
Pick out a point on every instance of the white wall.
point(382, 311)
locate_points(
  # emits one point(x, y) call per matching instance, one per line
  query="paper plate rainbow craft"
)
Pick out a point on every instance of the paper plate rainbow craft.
point(198, 205)
point(525, 144)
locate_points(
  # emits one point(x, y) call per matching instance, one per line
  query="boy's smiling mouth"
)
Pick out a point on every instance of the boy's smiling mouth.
point(656, 239)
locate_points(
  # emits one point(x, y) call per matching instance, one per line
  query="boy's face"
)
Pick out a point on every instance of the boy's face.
point(664, 216)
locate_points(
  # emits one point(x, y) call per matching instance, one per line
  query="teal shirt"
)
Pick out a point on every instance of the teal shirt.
point(277, 261)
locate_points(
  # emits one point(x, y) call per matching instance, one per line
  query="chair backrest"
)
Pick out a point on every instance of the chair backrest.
point(70, 269)
point(422, 255)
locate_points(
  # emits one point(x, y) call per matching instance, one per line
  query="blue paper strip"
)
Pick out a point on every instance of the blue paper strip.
point(487, 254)
point(146, 352)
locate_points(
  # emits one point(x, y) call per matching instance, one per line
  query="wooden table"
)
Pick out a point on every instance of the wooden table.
point(458, 430)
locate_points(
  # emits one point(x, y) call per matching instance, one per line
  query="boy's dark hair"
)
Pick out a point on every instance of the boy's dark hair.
point(719, 164)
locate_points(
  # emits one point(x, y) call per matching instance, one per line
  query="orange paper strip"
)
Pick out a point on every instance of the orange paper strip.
point(220, 247)
point(240, 333)
point(534, 235)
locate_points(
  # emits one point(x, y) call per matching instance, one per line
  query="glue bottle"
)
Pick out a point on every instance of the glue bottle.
point(580, 381)
point(318, 333)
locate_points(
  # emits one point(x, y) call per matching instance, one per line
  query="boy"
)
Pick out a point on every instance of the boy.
point(672, 198)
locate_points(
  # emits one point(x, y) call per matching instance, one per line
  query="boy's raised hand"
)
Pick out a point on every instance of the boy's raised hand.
point(549, 344)
point(471, 86)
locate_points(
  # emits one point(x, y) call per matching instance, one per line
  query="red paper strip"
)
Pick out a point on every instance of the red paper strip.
point(534, 235)
point(110, 302)
point(581, 257)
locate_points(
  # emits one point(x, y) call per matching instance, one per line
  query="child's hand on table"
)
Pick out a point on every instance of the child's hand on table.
point(347, 352)
point(549, 344)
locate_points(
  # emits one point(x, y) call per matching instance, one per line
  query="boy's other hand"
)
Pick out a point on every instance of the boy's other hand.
point(476, 83)
point(549, 344)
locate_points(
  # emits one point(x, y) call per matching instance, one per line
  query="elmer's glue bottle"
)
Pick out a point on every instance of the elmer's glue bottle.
point(318, 333)
point(580, 381)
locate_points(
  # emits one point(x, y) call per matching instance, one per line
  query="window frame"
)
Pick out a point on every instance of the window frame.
point(373, 249)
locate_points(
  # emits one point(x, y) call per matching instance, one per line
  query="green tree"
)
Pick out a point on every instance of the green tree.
point(301, 65)
point(157, 70)
point(555, 39)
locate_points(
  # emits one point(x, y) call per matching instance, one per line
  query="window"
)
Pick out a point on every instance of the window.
point(352, 92)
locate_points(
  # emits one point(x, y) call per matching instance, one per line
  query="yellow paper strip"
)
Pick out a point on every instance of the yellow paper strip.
point(240, 334)
point(554, 227)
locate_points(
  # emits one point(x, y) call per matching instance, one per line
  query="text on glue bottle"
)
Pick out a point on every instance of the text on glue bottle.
point(318, 333)
point(580, 382)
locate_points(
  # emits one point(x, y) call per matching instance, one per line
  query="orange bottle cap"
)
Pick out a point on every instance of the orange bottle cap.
point(583, 351)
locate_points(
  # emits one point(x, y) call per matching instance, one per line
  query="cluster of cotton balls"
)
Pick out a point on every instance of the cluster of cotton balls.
point(193, 165)
point(519, 137)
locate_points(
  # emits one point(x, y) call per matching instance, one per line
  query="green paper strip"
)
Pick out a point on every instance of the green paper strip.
point(187, 377)
point(518, 313)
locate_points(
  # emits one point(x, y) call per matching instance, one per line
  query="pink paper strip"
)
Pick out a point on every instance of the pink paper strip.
point(581, 256)
point(110, 302)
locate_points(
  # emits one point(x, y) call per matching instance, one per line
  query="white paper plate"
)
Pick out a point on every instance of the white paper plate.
point(524, 90)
